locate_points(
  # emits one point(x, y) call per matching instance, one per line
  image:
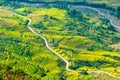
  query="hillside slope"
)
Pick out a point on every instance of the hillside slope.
point(83, 37)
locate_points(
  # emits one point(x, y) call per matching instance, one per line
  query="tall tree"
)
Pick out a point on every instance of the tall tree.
point(118, 11)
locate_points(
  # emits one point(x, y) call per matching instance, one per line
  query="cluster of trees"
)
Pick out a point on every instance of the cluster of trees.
point(103, 5)
point(39, 25)
point(94, 64)
point(11, 3)
point(4, 2)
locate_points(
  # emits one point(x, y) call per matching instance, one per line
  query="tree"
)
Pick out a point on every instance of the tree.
point(84, 72)
point(118, 11)
point(39, 25)
point(4, 2)
point(43, 72)
point(63, 75)
point(118, 8)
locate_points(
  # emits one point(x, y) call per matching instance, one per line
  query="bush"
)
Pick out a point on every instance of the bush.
point(90, 48)
point(84, 72)
point(0, 75)
point(39, 25)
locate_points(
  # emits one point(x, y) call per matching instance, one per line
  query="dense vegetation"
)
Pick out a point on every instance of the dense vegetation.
point(85, 39)
point(23, 55)
point(78, 35)
point(63, 4)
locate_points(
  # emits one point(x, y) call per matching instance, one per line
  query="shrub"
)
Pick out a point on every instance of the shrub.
point(84, 72)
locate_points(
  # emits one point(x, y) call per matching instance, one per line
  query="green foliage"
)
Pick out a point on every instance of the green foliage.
point(62, 75)
point(74, 34)
point(84, 72)
point(115, 40)
point(21, 51)
point(118, 11)
point(10, 3)
point(26, 23)
point(39, 25)
point(84, 77)
point(1, 75)
point(4, 2)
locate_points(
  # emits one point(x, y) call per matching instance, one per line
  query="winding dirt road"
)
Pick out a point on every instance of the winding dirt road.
point(47, 45)
point(57, 54)
point(45, 40)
